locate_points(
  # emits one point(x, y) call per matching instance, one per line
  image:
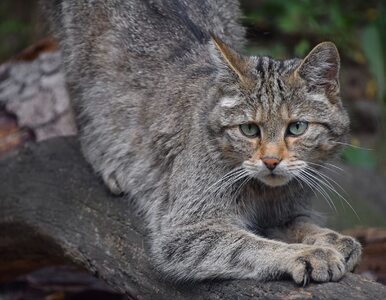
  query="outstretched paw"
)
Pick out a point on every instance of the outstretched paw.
point(350, 248)
point(319, 264)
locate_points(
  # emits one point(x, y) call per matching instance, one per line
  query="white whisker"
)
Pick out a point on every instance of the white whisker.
point(230, 181)
point(327, 168)
point(336, 167)
point(331, 187)
point(312, 187)
point(225, 177)
point(353, 146)
point(240, 187)
point(319, 187)
point(328, 179)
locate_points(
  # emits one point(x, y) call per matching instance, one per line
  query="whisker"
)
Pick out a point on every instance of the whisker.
point(320, 188)
point(300, 182)
point(309, 184)
point(340, 196)
point(353, 146)
point(336, 167)
point(229, 183)
point(328, 179)
point(325, 167)
point(313, 188)
point(240, 187)
point(295, 166)
point(319, 165)
point(315, 173)
point(225, 177)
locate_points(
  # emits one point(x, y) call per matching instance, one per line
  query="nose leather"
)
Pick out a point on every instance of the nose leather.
point(271, 162)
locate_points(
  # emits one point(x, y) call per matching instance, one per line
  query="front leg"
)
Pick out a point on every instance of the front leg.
point(217, 249)
point(303, 230)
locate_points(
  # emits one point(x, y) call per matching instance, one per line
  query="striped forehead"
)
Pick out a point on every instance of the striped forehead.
point(266, 66)
point(270, 92)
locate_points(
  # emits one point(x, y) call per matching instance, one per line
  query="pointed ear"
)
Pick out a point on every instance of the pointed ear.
point(321, 68)
point(229, 61)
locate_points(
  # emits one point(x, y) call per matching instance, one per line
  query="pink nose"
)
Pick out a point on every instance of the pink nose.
point(271, 162)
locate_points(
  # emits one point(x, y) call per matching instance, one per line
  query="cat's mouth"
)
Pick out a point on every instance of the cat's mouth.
point(275, 180)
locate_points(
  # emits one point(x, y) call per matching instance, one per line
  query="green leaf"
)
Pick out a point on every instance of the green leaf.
point(372, 47)
point(302, 48)
point(360, 157)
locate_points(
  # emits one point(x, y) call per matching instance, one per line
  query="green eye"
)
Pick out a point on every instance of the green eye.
point(297, 128)
point(250, 130)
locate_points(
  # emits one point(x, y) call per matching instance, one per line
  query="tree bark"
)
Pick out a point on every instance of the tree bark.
point(53, 208)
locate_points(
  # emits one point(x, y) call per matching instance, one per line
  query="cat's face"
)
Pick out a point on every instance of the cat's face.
point(285, 119)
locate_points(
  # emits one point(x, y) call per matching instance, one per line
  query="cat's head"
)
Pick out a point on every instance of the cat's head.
point(278, 119)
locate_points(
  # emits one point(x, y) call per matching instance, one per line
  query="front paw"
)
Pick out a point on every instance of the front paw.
point(350, 248)
point(320, 264)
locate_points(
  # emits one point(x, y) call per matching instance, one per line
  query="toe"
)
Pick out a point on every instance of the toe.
point(337, 271)
point(300, 274)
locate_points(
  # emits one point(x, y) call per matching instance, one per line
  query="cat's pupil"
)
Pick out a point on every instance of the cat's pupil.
point(297, 128)
point(250, 130)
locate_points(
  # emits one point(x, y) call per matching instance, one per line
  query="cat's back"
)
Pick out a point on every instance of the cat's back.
point(156, 29)
point(133, 69)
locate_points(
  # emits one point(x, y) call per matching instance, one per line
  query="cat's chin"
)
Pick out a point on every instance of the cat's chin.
point(275, 180)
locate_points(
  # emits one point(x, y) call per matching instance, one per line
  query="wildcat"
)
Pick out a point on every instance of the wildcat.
point(217, 149)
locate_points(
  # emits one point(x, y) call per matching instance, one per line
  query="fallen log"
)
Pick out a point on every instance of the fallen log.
point(53, 208)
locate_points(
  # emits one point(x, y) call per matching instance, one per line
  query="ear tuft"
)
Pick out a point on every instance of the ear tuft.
point(321, 67)
point(226, 58)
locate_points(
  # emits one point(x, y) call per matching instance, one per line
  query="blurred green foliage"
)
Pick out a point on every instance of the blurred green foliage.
point(17, 26)
point(13, 33)
point(374, 47)
point(357, 27)
point(364, 158)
